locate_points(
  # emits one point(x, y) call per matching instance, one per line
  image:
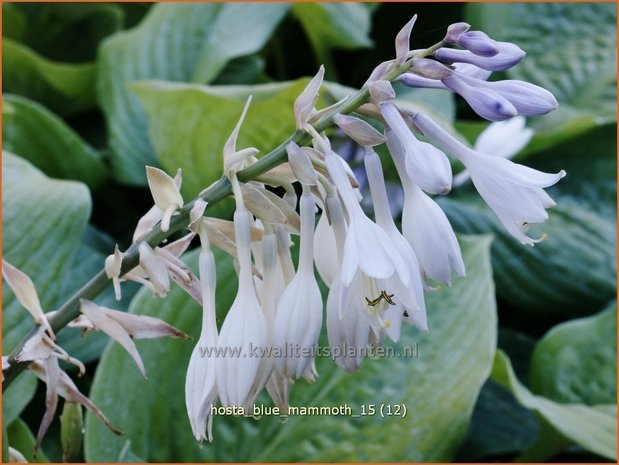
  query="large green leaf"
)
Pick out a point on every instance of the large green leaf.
point(439, 387)
point(175, 42)
point(62, 87)
point(21, 438)
point(43, 220)
point(571, 50)
point(572, 272)
point(592, 427)
point(209, 114)
point(500, 427)
point(42, 138)
point(577, 361)
point(17, 396)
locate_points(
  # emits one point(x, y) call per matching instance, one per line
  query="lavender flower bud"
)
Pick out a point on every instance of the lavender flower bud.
point(476, 41)
point(381, 91)
point(431, 69)
point(454, 31)
point(508, 56)
point(479, 43)
point(527, 98)
point(413, 80)
point(485, 102)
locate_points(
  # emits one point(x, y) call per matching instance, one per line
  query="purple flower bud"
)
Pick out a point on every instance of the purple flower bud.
point(454, 31)
point(485, 102)
point(413, 80)
point(508, 56)
point(479, 43)
point(472, 70)
point(528, 99)
point(431, 69)
point(427, 166)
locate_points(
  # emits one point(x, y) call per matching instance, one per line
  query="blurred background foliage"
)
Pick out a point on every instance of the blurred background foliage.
point(520, 362)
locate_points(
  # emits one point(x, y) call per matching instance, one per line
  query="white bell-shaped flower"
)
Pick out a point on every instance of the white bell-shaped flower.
point(425, 226)
point(514, 192)
point(427, 166)
point(299, 313)
point(367, 247)
point(244, 330)
point(200, 383)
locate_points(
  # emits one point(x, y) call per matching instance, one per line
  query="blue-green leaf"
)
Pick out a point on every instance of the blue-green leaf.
point(64, 88)
point(175, 42)
point(43, 220)
point(42, 138)
point(576, 361)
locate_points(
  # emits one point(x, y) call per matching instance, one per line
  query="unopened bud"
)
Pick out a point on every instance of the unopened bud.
point(381, 91)
point(402, 41)
point(359, 131)
point(431, 69)
point(71, 432)
point(301, 165)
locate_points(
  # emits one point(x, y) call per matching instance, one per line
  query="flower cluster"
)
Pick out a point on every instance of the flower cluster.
point(377, 274)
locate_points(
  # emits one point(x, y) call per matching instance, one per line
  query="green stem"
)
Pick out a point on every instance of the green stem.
point(215, 193)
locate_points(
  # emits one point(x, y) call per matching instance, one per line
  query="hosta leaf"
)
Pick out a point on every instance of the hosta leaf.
point(592, 427)
point(64, 88)
point(439, 387)
point(175, 42)
point(43, 220)
point(17, 396)
point(47, 142)
point(21, 438)
point(576, 361)
point(571, 272)
point(209, 114)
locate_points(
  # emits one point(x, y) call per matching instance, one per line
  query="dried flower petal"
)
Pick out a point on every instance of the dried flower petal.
point(25, 292)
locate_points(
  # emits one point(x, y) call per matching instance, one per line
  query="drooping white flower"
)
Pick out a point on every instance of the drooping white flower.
point(244, 329)
point(425, 226)
point(514, 192)
point(348, 327)
point(299, 313)
point(406, 298)
point(502, 139)
point(200, 382)
point(427, 166)
point(367, 246)
point(325, 246)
